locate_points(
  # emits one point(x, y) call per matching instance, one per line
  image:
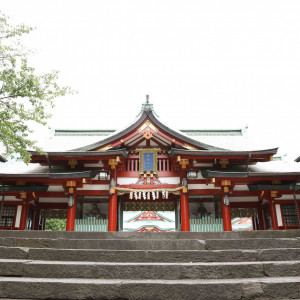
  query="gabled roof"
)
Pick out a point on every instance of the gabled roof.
point(147, 114)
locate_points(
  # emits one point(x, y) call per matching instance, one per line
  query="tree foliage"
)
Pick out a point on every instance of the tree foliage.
point(25, 97)
point(56, 224)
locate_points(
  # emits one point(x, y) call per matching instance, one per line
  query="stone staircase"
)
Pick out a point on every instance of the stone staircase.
point(174, 265)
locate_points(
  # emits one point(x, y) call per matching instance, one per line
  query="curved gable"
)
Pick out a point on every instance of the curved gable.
point(147, 130)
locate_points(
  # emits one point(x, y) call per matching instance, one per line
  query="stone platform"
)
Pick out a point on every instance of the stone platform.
point(173, 265)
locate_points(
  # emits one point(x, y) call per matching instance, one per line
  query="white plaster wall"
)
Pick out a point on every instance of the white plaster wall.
point(278, 213)
point(55, 188)
point(91, 166)
point(126, 180)
point(94, 187)
point(18, 216)
point(203, 165)
point(201, 186)
point(289, 197)
point(11, 198)
point(169, 180)
point(241, 188)
point(243, 199)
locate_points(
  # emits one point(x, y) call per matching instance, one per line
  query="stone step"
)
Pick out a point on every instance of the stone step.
point(168, 244)
point(258, 243)
point(151, 235)
point(285, 254)
point(104, 244)
point(70, 288)
point(165, 271)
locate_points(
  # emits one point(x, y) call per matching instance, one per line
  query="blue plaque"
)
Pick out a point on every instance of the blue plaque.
point(148, 158)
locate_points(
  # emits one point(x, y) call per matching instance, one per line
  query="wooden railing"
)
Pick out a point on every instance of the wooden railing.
point(206, 224)
point(91, 224)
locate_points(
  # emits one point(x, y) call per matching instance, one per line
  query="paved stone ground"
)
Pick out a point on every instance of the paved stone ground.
point(69, 265)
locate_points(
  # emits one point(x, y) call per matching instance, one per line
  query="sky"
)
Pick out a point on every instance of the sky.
point(205, 64)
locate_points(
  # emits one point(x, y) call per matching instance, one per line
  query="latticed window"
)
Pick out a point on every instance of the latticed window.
point(289, 214)
point(8, 216)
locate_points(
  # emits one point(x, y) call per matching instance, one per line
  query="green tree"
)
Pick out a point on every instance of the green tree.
point(25, 97)
point(56, 224)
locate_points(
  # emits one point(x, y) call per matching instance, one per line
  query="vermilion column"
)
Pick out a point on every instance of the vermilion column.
point(261, 218)
point(112, 212)
point(71, 215)
point(24, 215)
point(226, 215)
point(184, 210)
point(273, 214)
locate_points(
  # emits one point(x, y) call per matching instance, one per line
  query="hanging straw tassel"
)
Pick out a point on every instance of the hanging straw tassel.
point(148, 195)
point(167, 194)
point(153, 195)
point(131, 195)
point(140, 195)
point(157, 194)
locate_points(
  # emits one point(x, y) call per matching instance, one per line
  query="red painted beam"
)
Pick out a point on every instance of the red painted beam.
point(149, 186)
point(92, 193)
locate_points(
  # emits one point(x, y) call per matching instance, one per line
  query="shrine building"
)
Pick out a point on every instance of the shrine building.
point(149, 177)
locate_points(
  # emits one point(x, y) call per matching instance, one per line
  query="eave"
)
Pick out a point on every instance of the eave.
point(242, 156)
point(221, 174)
point(145, 115)
point(70, 175)
point(24, 188)
point(277, 187)
point(37, 157)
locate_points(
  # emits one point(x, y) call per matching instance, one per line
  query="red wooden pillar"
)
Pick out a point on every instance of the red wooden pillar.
point(36, 218)
point(112, 211)
point(226, 214)
point(261, 220)
point(184, 210)
point(71, 215)
point(273, 214)
point(24, 215)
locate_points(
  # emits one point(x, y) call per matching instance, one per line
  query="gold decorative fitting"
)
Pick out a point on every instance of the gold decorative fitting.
point(276, 181)
point(224, 163)
point(183, 162)
point(72, 163)
point(23, 195)
point(71, 183)
point(71, 190)
point(225, 182)
point(189, 147)
point(104, 148)
point(274, 194)
point(114, 162)
point(149, 125)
